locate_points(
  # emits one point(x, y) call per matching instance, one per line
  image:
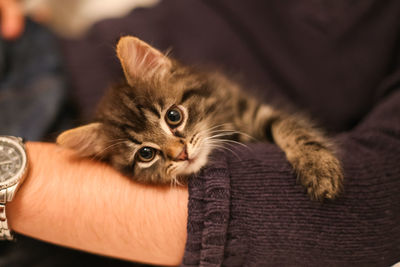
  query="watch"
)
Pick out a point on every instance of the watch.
point(13, 170)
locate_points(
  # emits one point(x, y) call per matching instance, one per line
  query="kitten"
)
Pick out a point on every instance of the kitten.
point(163, 122)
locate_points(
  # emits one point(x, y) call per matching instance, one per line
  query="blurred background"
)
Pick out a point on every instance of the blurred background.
point(73, 18)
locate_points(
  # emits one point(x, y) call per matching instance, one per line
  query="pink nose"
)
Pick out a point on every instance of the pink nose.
point(183, 155)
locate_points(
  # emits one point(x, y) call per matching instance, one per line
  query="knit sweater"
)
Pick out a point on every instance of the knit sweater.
point(337, 60)
point(248, 211)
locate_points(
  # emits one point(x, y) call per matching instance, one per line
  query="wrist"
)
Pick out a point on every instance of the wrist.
point(34, 192)
point(89, 206)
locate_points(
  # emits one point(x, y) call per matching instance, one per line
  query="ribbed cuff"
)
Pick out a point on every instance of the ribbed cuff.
point(208, 216)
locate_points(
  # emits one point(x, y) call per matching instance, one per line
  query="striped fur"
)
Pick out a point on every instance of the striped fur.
point(132, 115)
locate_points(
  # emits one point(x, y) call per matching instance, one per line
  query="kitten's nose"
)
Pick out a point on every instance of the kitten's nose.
point(183, 155)
point(178, 152)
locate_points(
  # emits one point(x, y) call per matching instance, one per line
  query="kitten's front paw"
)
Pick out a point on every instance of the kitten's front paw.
point(320, 173)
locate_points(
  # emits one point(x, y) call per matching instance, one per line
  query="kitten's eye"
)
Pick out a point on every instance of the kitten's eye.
point(146, 154)
point(174, 117)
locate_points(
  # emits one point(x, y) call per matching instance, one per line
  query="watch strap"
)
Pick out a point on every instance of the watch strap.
point(7, 193)
point(5, 232)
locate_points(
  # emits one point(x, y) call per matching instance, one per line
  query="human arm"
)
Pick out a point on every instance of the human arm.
point(86, 205)
point(12, 19)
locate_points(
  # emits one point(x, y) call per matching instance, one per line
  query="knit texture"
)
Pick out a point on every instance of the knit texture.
point(248, 211)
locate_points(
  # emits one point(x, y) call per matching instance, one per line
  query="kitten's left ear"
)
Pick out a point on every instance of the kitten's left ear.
point(140, 60)
point(86, 140)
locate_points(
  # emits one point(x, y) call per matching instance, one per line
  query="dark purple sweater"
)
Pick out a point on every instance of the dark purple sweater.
point(337, 60)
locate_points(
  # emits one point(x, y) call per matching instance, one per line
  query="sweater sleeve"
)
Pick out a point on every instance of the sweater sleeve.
point(247, 210)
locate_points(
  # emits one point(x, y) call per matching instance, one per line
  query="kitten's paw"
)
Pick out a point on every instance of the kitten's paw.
point(321, 174)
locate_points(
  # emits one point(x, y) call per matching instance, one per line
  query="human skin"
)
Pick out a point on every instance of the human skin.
point(86, 205)
point(11, 19)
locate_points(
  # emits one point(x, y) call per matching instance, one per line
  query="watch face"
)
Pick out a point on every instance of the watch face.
point(12, 162)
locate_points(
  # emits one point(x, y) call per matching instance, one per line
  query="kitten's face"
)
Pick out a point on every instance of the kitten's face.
point(157, 134)
point(158, 126)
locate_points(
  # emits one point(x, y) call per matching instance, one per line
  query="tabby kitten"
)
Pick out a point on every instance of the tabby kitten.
point(165, 120)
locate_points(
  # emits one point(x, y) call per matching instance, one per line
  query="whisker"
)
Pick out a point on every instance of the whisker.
point(232, 132)
point(234, 142)
point(217, 135)
point(97, 155)
point(175, 182)
point(220, 125)
point(114, 140)
point(214, 132)
point(216, 127)
point(218, 145)
point(227, 149)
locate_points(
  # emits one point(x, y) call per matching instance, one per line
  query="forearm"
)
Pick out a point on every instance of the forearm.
point(87, 205)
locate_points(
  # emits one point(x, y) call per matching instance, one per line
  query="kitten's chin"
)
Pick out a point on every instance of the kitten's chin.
point(195, 163)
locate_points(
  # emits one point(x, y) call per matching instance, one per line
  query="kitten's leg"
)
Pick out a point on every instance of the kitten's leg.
point(307, 149)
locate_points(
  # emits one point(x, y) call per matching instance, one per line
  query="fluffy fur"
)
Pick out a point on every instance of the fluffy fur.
point(213, 110)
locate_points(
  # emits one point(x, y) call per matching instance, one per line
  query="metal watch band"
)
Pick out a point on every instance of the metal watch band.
point(5, 232)
point(10, 185)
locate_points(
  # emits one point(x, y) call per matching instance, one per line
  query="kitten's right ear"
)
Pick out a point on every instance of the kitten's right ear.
point(85, 140)
point(140, 60)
